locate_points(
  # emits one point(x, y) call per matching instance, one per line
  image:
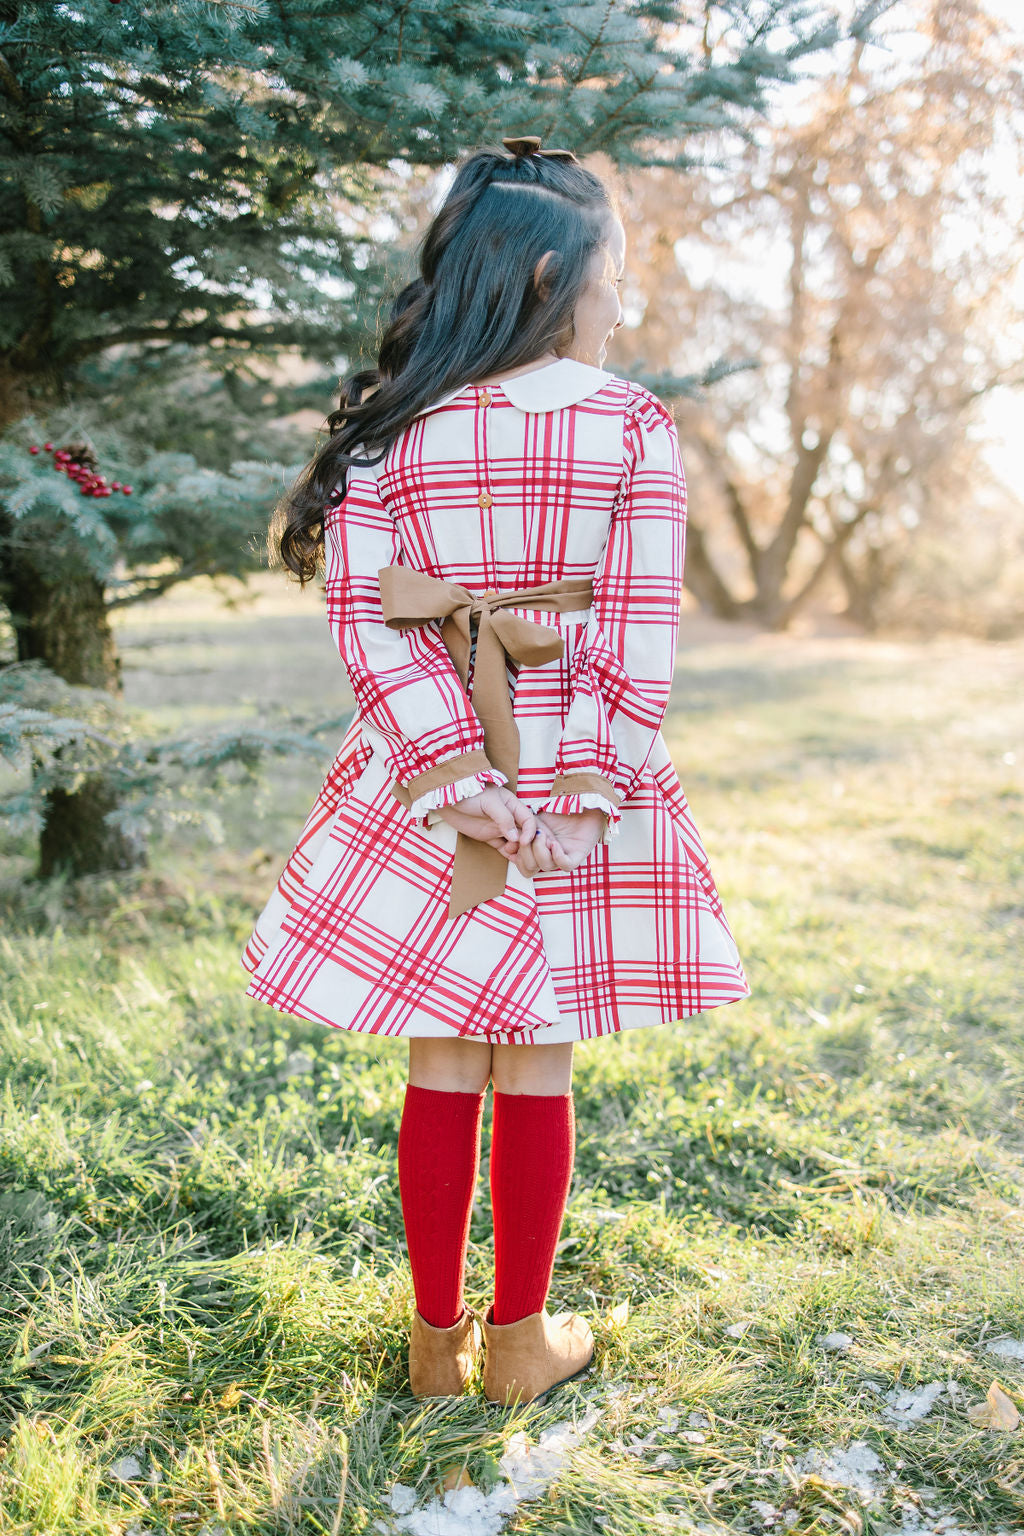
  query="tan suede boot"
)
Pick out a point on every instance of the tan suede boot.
point(525, 1359)
point(441, 1360)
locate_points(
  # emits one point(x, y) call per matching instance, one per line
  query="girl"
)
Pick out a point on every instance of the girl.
point(501, 860)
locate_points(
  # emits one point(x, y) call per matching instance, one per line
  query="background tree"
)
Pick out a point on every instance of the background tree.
point(177, 180)
point(864, 251)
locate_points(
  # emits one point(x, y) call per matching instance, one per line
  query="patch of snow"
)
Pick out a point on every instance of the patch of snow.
point(531, 1468)
point(127, 1468)
point(468, 1511)
point(402, 1499)
point(1009, 1348)
point(636, 1446)
point(669, 1418)
point(698, 1420)
point(665, 1461)
point(836, 1341)
point(462, 1512)
point(736, 1330)
point(857, 1467)
point(905, 1406)
point(773, 1439)
point(766, 1513)
point(921, 1519)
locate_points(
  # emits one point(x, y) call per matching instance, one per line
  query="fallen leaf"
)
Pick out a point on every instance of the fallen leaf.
point(455, 1477)
point(998, 1411)
point(231, 1397)
point(619, 1313)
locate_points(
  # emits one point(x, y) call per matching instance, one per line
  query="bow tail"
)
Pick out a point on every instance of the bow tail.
point(479, 873)
point(492, 701)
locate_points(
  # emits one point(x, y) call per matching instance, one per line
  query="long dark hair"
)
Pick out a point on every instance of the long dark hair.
point(474, 309)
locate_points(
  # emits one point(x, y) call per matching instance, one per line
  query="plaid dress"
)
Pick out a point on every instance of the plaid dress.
point(568, 471)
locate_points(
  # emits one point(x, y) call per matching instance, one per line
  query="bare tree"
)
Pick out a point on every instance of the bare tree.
point(864, 252)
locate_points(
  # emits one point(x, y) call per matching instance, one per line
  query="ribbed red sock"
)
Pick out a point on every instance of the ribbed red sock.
point(533, 1147)
point(438, 1164)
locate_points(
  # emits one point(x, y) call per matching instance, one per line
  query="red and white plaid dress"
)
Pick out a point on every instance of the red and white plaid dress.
point(568, 471)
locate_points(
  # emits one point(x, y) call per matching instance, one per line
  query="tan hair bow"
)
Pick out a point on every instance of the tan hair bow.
point(530, 145)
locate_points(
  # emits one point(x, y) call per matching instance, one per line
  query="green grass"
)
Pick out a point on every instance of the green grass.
point(200, 1232)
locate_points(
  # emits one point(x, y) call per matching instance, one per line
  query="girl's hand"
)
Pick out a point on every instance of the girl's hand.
point(561, 842)
point(494, 816)
point(578, 834)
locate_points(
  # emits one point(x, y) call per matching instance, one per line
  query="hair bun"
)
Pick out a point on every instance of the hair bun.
point(530, 145)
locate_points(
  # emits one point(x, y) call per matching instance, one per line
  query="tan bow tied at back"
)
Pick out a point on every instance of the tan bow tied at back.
point(410, 597)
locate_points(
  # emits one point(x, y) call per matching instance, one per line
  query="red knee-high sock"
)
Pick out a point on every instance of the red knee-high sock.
point(438, 1164)
point(533, 1146)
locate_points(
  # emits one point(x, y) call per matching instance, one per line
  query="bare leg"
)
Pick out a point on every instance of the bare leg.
point(452, 1065)
point(544, 1069)
point(467, 1066)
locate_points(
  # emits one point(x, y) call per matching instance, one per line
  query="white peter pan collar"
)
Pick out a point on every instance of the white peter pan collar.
point(566, 381)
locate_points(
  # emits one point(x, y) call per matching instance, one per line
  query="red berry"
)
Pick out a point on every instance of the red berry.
point(74, 465)
point(127, 489)
point(115, 485)
point(34, 448)
point(48, 447)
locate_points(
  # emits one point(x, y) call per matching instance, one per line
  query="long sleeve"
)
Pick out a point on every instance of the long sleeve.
point(622, 673)
point(407, 691)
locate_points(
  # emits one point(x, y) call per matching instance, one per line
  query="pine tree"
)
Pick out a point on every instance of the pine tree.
point(176, 179)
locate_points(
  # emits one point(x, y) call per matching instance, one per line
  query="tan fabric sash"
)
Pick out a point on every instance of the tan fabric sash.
point(410, 597)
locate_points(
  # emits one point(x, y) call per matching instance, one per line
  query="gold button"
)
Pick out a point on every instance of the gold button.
point(483, 500)
point(485, 398)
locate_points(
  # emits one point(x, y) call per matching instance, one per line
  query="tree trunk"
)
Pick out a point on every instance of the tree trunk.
point(863, 587)
point(63, 622)
point(701, 578)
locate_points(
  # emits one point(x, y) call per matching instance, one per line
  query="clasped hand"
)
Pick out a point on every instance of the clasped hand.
point(533, 842)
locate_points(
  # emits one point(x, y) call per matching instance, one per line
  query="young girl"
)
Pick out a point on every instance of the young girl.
point(501, 860)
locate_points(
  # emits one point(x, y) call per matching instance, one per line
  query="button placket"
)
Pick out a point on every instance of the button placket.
point(484, 498)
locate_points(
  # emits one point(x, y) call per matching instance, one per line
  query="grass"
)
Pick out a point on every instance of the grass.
point(204, 1282)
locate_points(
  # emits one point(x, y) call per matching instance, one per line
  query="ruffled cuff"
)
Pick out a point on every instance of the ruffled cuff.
point(584, 790)
point(571, 805)
point(451, 794)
